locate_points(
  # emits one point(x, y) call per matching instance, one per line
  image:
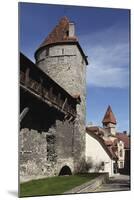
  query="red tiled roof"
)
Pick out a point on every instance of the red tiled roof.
point(59, 33)
point(123, 137)
point(114, 148)
point(108, 142)
point(112, 143)
point(92, 128)
point(112, 151)
point(108, 149)
point(109, 117)
point(96, 129)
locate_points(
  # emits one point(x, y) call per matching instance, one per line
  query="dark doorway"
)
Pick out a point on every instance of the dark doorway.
point(65, 171)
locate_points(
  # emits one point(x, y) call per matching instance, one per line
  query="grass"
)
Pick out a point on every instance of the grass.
point(54, 185)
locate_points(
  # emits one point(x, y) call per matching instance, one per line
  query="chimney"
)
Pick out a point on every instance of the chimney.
point(71, 29)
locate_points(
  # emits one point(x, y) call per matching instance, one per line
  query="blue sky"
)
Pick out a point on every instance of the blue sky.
point(104, 36)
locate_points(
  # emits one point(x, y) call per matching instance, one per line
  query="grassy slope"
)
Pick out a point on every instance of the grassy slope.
point(54, 185)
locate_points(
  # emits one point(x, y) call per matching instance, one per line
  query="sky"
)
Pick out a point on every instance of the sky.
point(103, 34)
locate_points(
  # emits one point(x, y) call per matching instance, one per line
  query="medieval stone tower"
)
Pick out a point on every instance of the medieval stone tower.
point(109, 122)
point(62, 58)
point(53, 92)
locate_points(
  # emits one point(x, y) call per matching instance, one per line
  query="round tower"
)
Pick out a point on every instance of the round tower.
point(62, 58)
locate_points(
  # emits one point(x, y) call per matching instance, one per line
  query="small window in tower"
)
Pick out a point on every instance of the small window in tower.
point(47, 52)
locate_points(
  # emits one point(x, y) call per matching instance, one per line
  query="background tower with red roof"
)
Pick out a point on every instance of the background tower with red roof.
point(109, 121)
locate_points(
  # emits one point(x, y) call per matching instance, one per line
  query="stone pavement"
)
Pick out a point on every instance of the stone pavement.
point(89, 186)
point(116, 183)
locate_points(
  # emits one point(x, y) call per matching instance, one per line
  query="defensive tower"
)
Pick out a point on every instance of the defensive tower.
point(61, 57)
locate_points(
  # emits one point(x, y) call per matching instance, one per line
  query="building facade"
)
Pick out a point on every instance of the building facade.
point(117, 144)
point(98, 155)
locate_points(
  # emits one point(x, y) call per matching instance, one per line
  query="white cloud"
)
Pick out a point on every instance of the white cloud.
point(108, 53)
point(108, 67)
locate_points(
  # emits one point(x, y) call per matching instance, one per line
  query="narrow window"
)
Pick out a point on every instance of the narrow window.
point(67, 33)
point(47, 52)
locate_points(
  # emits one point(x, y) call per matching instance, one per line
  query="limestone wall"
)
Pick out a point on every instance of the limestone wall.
point(98, 157)
point(43, 154)
point(65, 65)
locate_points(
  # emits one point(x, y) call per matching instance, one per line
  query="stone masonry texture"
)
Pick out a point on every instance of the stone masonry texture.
point(65, 65)
point(48, 140)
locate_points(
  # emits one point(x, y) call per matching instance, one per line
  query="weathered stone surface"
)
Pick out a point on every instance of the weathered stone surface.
point(36, 160)
point(69, 70)
point(48, 140)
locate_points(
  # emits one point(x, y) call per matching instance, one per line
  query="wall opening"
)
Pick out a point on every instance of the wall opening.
point(67, 33)
point(65, 171)
point(51, 154)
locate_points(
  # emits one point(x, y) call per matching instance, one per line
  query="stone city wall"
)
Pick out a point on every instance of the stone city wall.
point(43, 154)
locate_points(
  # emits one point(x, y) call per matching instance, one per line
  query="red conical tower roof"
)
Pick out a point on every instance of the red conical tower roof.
point(109, 117)
point(59, 33)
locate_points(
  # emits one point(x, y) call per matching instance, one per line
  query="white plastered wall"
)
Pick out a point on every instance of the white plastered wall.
point(96, 154)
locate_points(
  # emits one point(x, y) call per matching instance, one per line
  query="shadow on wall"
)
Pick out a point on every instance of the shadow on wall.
point(65, 171)
point(126, 169)
point(40, 116)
